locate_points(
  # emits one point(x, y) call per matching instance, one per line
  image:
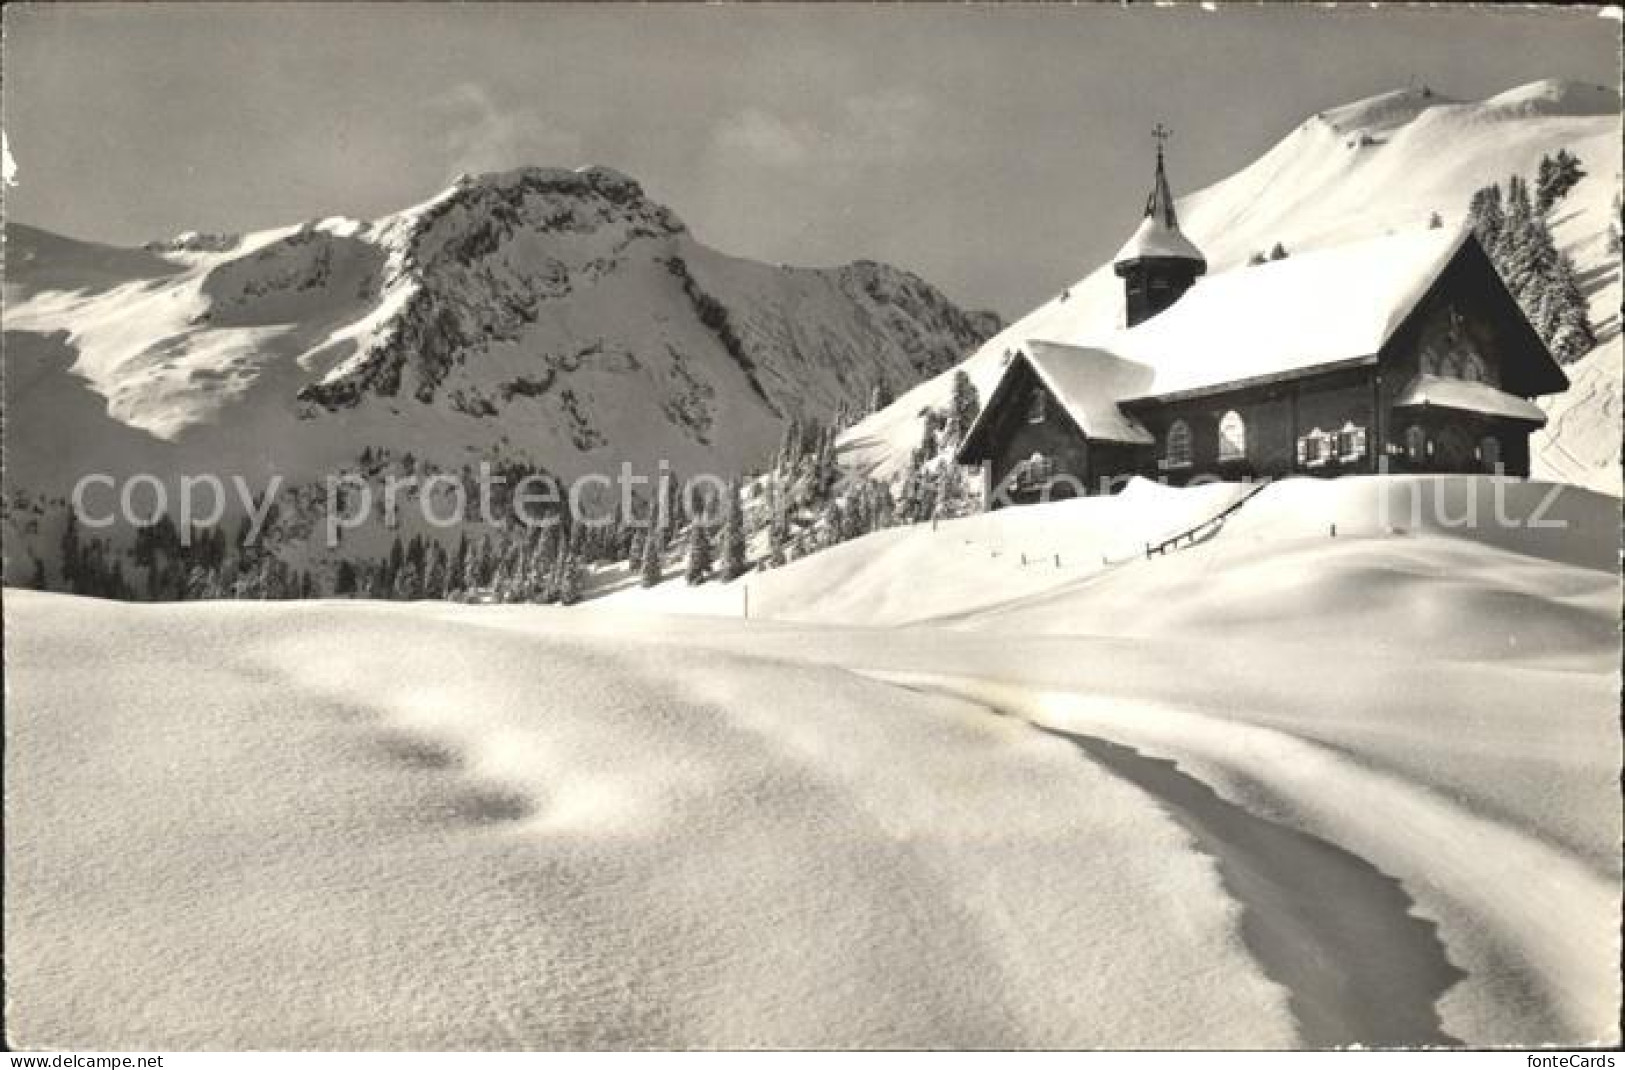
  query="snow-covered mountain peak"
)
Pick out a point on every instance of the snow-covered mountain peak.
point(546, 317)
point(1557, 96)
point(1381, 113)
point(488, 207)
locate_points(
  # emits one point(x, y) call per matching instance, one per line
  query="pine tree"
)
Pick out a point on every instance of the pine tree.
point(407, 584)
point(699, 552)
point(789, 447)
point(880, 395)
point(1256, 259)
point(733, 534)
point(778, 538)
point(1555, 177)
point(72, 563)
point(950, 490)
point(650, 566)
point(202, 583)
point(1545, 175)
point(1487, 216)
point(477, 573)
point(569, 583)
point(1515, 228)
point(1278, 252)
point(966, 403)
point(1435, 221)
point(1571, 332)
point(434, 573)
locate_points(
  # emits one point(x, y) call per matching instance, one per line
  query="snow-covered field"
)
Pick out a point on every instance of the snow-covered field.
point(1279, 788)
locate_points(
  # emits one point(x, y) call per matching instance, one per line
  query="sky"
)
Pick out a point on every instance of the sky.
point(999, 152)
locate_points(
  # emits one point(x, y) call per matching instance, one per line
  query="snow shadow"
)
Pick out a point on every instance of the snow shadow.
point(454, 799)
point(1331, 928)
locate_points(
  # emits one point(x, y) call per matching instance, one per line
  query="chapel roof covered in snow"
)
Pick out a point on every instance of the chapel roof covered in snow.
point(1286, 316)
point(1088, 383)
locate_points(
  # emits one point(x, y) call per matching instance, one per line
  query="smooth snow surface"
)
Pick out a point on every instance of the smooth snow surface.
point(365, 826)
point(1280, 787)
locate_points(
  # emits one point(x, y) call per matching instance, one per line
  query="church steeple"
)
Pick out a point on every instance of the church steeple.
point(1158, 263)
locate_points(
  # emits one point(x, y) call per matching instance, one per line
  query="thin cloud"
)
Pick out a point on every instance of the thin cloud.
point(877, 128)
point(481, 135)
point(766, 138)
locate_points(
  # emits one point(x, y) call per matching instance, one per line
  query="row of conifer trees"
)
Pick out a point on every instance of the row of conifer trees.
point(1514, 226)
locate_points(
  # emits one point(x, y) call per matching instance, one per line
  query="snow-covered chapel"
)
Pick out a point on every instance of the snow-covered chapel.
point(1407, 347)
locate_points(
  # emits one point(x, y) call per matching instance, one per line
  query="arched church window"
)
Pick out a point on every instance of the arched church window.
point(1179, 444)
point(1489, 452)
point(1232, 437)
point(1036, 405)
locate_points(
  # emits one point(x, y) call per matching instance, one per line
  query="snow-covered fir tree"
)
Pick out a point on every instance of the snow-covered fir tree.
point(1554, 178)
point(698, 569)
point(965, 401)
point(1518, 237)
point(650, 570)
point(733, 533)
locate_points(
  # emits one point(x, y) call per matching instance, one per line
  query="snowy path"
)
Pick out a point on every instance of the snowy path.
point(1338, 933)
point(1503, 901)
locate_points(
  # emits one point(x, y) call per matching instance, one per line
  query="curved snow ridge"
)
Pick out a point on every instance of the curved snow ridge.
point(1558, 96)
point(1518, 915)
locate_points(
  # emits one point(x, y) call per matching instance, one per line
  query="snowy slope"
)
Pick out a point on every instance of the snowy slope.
point(1376, 166)
point(1079, 566)
point(555, 318)
point(1350, 656)
point(1278, 788)
point(395, 827)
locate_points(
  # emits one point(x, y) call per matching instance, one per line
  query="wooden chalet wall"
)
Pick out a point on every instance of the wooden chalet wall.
point(1012, 439)
point(1467, 317)
point(1275, 416)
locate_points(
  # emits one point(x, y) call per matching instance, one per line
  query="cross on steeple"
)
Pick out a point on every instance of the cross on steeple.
point(1161, 202)
point(1158, 263)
